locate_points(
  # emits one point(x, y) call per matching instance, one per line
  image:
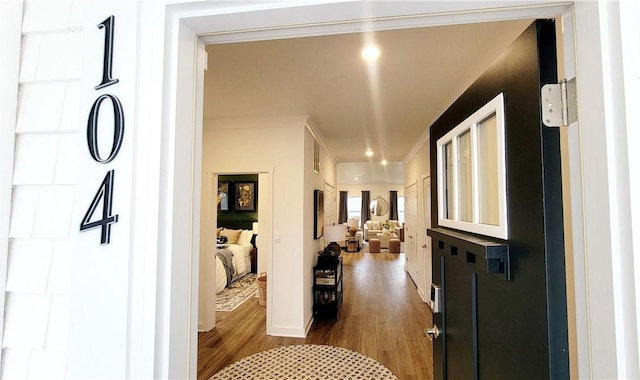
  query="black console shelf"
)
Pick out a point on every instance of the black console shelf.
point(327, 289)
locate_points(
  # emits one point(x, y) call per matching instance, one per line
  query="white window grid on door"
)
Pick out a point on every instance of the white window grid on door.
point(449, 210)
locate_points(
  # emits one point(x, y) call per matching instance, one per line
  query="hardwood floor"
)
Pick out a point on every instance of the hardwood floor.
point(382, 316)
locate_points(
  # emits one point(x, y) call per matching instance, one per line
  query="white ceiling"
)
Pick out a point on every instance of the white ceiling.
point(353, 173)
point(386, 107)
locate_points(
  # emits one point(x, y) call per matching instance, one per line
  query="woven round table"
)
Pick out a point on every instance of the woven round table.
point(306, 361)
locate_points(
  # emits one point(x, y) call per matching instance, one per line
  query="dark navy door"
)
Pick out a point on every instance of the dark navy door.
point(503, 310)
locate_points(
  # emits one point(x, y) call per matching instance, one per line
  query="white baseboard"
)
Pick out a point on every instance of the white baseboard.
point(289, 332)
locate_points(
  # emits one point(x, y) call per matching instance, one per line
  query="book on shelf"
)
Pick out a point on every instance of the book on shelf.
point(325, 277)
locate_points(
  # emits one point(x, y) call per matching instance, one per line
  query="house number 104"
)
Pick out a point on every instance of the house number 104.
point(104, 194)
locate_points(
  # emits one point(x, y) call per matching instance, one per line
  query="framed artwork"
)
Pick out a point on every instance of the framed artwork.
point(223, 196)
point(245, 196)
point(318, 211)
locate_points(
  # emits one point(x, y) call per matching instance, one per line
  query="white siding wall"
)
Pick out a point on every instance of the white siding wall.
point(35, 336)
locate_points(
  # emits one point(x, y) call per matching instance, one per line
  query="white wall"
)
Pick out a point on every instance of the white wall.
point(313, 181)
point(282, 148)
point(104, 267)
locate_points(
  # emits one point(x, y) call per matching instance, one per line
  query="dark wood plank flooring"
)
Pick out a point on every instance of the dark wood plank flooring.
point(382, 316)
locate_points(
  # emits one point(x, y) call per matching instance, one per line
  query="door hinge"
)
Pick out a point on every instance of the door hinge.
point(203, 57)
point(559, 103)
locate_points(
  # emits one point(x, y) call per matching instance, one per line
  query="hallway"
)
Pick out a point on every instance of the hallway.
point(382, 317)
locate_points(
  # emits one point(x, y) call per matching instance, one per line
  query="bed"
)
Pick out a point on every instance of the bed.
point(236, 253)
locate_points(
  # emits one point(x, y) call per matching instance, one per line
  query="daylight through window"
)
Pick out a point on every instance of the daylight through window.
point(471, 173)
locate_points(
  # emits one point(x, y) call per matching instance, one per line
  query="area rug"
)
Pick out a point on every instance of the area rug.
point(239, 291)
point(306, 361)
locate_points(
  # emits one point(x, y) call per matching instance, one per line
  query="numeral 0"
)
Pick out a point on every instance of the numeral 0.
point(118, 128)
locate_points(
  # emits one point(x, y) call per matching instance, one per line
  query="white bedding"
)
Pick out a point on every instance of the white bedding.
point(241, 263)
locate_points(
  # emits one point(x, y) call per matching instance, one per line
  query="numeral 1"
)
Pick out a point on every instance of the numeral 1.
point(107, 65)
point(104, 195)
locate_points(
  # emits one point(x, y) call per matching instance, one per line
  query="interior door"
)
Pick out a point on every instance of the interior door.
point(411, 226)
point(504, 316)
point(426, 245)
point(329, 204)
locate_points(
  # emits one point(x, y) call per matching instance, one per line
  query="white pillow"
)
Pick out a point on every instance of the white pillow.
point(245, 237)
point(375, 225)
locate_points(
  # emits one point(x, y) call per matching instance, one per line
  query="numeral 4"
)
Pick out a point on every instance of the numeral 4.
point(104, 195)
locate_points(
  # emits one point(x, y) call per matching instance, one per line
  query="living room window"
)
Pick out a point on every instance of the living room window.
point(401, 209)
point(354, 203)
point(471, 173)
point(353, 207)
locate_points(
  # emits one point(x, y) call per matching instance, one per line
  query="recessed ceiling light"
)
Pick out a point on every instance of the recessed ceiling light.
point(355, 178)
point(369, 153)
point(370, 53)
point(383, 162)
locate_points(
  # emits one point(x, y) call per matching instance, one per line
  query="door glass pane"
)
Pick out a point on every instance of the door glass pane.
point(448, 186)
point(471, 161)
point(465, 190)
point(488, 171)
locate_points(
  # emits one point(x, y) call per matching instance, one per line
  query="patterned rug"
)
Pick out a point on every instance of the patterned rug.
point(239, 291)
point(306, 361)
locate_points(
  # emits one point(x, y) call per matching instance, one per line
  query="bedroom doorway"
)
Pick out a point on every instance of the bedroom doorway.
point(238, 220)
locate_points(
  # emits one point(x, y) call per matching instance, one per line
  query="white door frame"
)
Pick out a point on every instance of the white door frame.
point(186, 23)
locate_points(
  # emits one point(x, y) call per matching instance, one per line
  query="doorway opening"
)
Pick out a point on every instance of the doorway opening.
point(538, 13)
point(225, 213)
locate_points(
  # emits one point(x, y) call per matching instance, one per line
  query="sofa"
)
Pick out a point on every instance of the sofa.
point(373, 227)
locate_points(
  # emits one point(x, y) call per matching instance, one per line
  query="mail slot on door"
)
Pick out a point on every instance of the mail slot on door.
point(435, 302)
